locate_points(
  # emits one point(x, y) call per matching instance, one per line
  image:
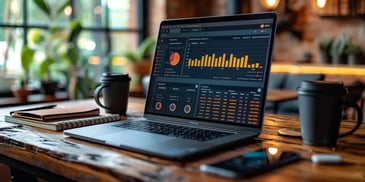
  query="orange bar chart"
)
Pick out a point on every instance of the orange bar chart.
point(223, 61)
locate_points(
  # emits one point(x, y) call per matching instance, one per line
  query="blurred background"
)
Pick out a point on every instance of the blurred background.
point(69, 40)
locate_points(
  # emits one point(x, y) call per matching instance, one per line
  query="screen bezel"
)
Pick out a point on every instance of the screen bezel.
point(212, 19)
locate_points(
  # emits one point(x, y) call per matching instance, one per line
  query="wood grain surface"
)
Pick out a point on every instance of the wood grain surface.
point(85, 161)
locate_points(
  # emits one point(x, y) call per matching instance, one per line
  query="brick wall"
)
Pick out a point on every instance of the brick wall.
point(169, 9)
point(302, 19)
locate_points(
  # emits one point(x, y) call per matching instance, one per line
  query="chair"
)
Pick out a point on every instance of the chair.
point(292, 82)
point(276, 81)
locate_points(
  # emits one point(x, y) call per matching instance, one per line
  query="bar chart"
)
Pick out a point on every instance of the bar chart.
point(223, 61)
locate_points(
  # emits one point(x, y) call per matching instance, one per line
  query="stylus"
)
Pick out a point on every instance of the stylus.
point(36, 108)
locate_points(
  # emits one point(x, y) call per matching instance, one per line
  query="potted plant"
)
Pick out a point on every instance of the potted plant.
point(51, 45)
point(62, 54)
point(338, 48)
point(354, 53)
point(79, 80)
point(139, 61)
point(21, 89)
point(325, 45)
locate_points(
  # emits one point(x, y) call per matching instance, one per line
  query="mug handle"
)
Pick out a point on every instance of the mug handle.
point(97, 93)
point(359, 118)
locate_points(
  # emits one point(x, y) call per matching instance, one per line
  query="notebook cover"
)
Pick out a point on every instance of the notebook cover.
point(57, 113)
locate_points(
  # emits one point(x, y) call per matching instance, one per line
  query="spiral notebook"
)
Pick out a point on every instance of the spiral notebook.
point(60, 125)
point(59, 117)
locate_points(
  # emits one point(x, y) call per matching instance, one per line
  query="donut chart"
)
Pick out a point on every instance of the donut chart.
point(172, 107)
point(174, 59)
point(158, 106)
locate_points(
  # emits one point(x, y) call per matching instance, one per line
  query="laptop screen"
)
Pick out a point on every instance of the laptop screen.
point(212, 68)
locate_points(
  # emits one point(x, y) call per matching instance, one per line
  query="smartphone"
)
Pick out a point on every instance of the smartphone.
point(251, 163)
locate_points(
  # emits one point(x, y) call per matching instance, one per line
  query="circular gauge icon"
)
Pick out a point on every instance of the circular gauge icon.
point(158, 106)
point(174, 58)
point(187, 109)
point(172, 107)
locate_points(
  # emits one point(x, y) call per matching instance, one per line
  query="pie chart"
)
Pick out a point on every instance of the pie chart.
point(174, 58)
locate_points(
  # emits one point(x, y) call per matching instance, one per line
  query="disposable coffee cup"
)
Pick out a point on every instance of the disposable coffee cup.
point(320, 112)
point(114, 88)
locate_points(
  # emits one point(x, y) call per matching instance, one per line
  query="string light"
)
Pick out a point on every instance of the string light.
point(321, 3)
point(68, 10)
point(270, 4)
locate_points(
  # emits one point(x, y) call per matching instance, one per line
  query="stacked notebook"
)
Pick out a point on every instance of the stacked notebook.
point(58, 118)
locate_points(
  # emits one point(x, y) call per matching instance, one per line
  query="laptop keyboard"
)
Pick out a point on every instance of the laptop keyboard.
point(173, 130)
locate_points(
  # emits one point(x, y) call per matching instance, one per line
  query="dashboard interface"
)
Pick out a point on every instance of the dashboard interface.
point(212, 71)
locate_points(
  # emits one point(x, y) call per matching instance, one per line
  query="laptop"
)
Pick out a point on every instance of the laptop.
point(207, 88)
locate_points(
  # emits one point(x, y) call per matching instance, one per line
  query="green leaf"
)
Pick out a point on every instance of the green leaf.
point(73, 55)
point(147, 47)
point(132, 56)
point(339, 45)
point(43, 6)
point(60, 10)
point(75, 27)
point(26, 57)
point(44, 67)
point(55, 28)
point(36, 36)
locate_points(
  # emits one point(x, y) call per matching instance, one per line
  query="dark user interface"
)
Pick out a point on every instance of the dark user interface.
point(211, 71)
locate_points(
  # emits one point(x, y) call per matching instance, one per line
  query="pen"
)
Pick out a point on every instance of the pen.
point(49, 106)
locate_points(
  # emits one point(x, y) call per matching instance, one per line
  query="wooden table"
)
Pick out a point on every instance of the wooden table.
point(55, 156)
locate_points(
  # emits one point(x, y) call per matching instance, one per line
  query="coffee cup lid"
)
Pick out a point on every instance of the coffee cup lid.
point(329, 87)
point(115, 76)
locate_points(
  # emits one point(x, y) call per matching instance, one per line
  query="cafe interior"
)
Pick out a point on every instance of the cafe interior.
point(55, 51)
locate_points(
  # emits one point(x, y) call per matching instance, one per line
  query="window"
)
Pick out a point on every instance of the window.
point(108, 27)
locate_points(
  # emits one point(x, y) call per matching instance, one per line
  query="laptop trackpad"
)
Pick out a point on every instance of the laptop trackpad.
point(133, 138)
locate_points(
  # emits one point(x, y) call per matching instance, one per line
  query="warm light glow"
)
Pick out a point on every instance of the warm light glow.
point(355, 70)
point(94, 60)
point(68, 10)
point(98, 10)
point(119, 61)
point(270, 4)
point(321, 3)
point(272, 150)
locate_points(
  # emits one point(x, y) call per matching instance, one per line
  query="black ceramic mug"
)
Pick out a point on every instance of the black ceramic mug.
point(321, 104)
point(115, 91)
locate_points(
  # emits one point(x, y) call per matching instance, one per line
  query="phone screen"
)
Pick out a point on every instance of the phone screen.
point(251, 163)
